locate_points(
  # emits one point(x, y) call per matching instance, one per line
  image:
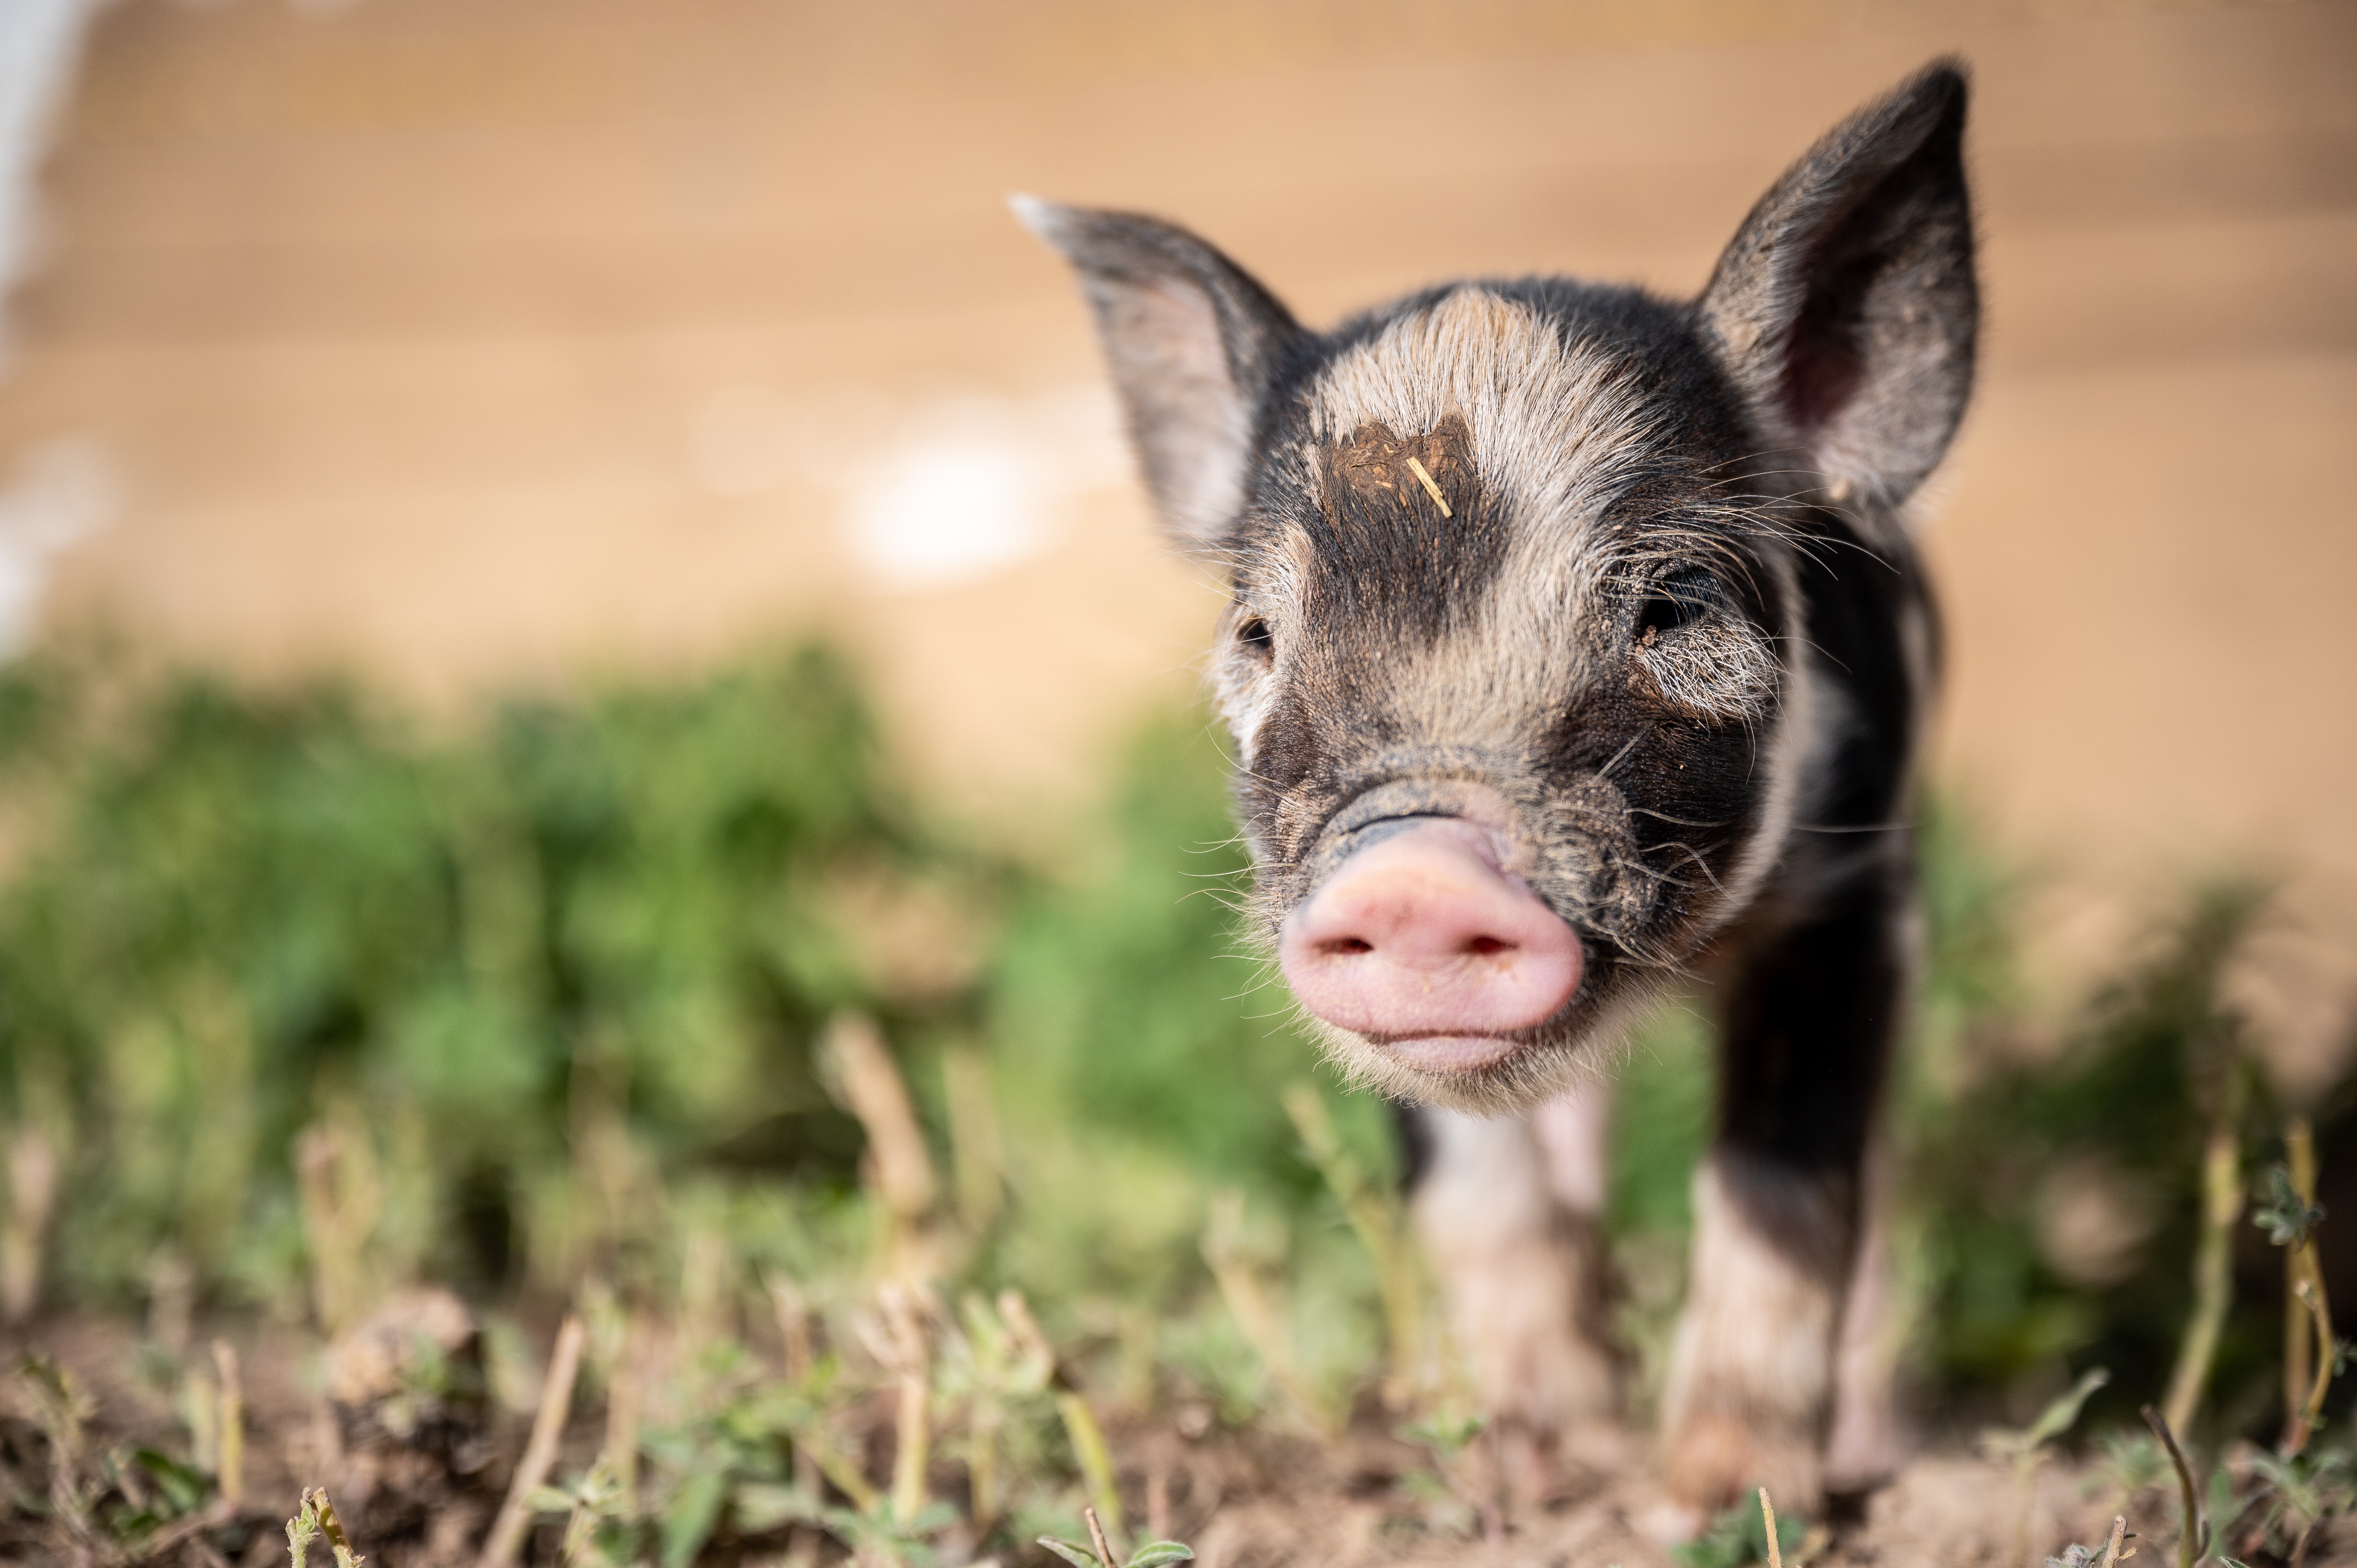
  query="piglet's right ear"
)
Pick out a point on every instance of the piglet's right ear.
point(1194, 344)
point(1846, 308)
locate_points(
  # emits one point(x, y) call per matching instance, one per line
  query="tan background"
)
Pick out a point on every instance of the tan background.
point(473, 342)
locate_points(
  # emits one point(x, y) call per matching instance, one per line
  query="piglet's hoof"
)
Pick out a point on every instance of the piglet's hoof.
point(1718, 1461)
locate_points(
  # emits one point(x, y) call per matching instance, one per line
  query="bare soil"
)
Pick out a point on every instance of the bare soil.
point(1247, 1498)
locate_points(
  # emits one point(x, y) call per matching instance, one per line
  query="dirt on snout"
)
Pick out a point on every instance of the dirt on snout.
point(417, 1482)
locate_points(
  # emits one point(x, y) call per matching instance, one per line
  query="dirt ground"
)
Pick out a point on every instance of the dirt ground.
point(1243, 1500)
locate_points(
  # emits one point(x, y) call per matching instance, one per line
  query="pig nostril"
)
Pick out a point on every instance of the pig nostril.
point(1348, 945)
point(1486, 947)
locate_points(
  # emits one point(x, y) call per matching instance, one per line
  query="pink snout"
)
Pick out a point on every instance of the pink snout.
point(1421, 943)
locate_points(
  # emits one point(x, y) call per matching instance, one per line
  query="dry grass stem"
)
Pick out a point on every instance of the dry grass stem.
point(2112, 1547)
point(1097, 1538)
point(1430, 488)
point(625, 1387)
point(912, 1363)
point(794, 1335)
point(200, 1410)
point(2304, 1424)
point(1158, 1504)
point(514, 1519)
point(2214, 1277)
point(2194, 1539)
point(32, 1195)
point(229, 1429)
point(2300, 1149)
point(2304, 1267)
point(976, 1157)
point(861, 1072)
point(315, 1517)
point(1768, 1514)
point(342, 1197)
point(1094, 1458)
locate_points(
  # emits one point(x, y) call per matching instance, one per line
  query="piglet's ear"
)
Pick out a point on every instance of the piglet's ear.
point(1846, 308)
point(1194, 343)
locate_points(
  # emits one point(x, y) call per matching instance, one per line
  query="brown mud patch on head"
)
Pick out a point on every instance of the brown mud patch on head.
point(1375, 467)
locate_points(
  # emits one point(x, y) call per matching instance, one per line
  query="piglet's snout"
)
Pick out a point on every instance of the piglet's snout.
point(1420, 934)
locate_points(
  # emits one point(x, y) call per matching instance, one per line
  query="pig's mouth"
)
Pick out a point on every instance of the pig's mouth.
point(1450, 1054)
point(1426, 945)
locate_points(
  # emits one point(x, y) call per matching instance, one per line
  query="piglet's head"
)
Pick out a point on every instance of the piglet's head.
point(1516, 664)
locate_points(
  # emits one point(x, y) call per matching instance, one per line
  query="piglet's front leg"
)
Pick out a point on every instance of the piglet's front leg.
point(1806, 1027)
point(1508, 1211)
point(1751, 1374)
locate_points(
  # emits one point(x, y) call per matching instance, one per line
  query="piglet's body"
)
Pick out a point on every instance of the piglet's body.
point(1578, 646)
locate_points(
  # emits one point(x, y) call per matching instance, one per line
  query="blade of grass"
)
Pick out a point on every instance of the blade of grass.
point(911, 1355)
point(2214, 1277)
point(2311, 1295)
point(514, 1519)
point(1095, 1460)
point(859, 1068)
point(2194, 1540)
point(230, 1433)
point(32, 1163)
point(625, 1385)
point(2023, 1449)
point(977, 1162)
point(2300, 1149)
point(2306, 1264)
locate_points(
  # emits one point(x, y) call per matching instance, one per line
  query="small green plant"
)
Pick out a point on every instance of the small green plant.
point(1747, 1532)
point(1098, 1553)
point(2288, 1216)
point(2125, 1464)
point(596, 1516)
point(881, 1535)
point(317, 1519)
point(1453, 1498)
point(734, 1463)
point(2022, 1450)
point(996, 1371)
point(2295, 1493)
point(2291, 1216)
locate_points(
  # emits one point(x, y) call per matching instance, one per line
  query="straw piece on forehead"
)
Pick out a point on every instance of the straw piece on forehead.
point(1430, 488)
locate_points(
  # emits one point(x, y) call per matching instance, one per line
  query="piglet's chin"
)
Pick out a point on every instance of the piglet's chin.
point(1447, 1055)
point(1423, 945)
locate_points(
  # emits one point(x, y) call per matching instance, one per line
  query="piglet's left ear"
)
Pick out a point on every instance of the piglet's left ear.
point(1846, 308)
point(1194, 343)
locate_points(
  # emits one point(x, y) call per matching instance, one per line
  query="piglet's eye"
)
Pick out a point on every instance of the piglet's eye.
point(1677, 601)
point(1254, 635)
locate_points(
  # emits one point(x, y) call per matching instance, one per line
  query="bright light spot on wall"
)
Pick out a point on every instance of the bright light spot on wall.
point(944, 511)
point(929, 494)
point(59, 494)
